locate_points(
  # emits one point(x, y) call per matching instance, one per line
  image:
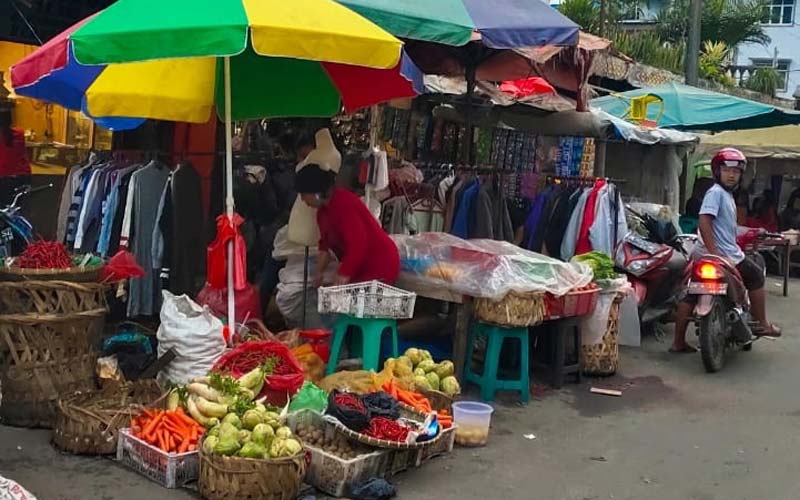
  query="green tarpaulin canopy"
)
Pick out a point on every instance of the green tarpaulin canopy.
point(691, 108)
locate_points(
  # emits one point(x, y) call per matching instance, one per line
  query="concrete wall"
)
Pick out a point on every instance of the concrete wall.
point(787, 40)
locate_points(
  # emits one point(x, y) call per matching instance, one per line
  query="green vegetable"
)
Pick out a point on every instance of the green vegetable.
point(427, 365)
point(209, 443)
point(276, 448)
point(233, 419)
point(227, 447)
point(262, 434)
point(210, 409)
point(425, 354)
point(227, 431)
point(292, 447)
point(244, 436)
point(252, 450)
point(449, 386)
point(419, 372)
point(204, 391)
point(260, 407)
point(406, 361)
point(252, 418)
point(251, 378)
point(601, 264)
point(173, 400)
point(445, 369)
point(283, 432)
point(195, 413)
point(433, 379)
point(214, 431)
point(414, 355)
point(422, 383)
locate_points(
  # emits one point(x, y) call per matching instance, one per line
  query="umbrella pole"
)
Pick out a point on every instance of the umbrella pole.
point(229, 193)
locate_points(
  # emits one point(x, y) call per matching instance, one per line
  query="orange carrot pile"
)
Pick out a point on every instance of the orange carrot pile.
point(445, 418)
point(412, 399)
point(171, 431)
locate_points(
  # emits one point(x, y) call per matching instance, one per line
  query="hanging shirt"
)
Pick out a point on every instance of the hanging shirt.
point(461, 225)
point(571, 234)
point(349, 230)
point(583, 244)
point(601, 233)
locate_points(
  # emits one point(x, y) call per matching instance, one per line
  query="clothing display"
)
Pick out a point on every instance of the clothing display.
point(157, 214)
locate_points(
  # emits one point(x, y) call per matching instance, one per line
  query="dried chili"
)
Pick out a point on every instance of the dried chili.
point(386, 429)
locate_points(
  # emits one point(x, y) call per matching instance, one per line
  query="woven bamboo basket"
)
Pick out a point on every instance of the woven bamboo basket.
point(515, 309)
point(44, 356)
point(88, 423)
point(50, 297)
point(406, 412)
point(438, 399)
point(603, 359)
point(74, 274)
point(235, 478)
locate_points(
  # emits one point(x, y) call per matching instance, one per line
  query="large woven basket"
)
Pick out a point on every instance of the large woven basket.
point(405, 412)
point(51, 297)
point(438, 399)
point(44, 356)
point(74, 274)
point(88, 423)
point(235, 478)
point(603, 359)
point(515, 309)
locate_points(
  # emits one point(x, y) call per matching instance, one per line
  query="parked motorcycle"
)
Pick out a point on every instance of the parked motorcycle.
point(15, 230)
point(654, 260)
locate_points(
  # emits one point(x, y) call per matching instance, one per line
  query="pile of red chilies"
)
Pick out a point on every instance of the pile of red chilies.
point(350, 401)
point(45, 255)
point(386, 429)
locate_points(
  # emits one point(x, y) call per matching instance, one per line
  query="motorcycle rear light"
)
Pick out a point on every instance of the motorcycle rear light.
point(708, 271)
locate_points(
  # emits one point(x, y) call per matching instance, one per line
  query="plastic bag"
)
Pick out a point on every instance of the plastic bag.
point(310, 397)
point(485, 268)
point(392, 370)
point(121, 266)
point(248, 302)
point(12, 490)
point(359, 381)
point(313, 366)
point(194, 333)
point(216, 267)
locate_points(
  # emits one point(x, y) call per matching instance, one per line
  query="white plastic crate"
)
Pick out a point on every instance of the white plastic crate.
point(371, 299)
point(331, 474)
point(169, 470)
point(441, 446)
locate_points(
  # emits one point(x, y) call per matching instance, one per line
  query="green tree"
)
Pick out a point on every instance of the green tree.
point(729, 21)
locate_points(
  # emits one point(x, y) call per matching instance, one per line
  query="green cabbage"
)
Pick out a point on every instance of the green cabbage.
point(252, 450)
point(419, 372)
point(427, 365)
point(601, 264)
point(209, 443)
point(422, 383)
point(227, 447)
point(252, 418)
point(445, 369)
point(414, 355)
point(262, 434)
point(449, 386)
point(433, 379)
point(227, 430)
point(233, 419)
point(283, 432)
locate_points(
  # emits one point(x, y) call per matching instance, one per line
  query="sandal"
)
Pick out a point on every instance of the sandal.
point(687, 349)
point(773, 331)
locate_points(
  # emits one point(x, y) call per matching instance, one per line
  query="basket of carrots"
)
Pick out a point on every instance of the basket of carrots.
point(162, 446)
point(88, 423)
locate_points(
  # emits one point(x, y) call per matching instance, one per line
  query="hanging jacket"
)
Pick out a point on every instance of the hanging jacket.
point(571, 234)
point(583, 244)
point(601, 233)
point(557, 226)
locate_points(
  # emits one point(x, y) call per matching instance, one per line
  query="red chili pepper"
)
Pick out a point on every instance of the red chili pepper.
point(386, 429)
point(45, 255)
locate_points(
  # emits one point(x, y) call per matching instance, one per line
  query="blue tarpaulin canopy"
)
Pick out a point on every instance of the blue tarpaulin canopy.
point(691, 108)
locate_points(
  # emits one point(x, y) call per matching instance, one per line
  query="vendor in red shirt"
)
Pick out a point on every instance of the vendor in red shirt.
point(15, 170)
point(348, 229)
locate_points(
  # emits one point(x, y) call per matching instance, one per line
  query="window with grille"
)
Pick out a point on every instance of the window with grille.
point(779, 12)
point(781, 67)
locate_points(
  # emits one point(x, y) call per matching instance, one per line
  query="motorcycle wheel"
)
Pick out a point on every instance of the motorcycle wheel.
point(712, 337)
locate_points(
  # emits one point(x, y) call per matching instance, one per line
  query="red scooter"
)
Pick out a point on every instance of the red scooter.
point(722, 313)
point(655, 267)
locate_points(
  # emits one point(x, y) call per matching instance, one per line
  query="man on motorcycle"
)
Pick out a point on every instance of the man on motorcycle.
point(717, 229)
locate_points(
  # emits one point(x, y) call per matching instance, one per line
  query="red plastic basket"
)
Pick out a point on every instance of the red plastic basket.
point(572, 304)
point(320, 341)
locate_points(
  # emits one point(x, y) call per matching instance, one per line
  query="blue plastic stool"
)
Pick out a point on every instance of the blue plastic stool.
point(489, 381)
point(372, 330)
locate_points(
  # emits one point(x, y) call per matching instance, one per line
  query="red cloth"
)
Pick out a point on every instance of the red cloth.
point(364, 250)
point(217, 262)
point(584, 245)
point(14, 158)
point(526, 87)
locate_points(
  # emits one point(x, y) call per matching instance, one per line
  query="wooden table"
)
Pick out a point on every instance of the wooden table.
point(462, 303)
point(785, 249)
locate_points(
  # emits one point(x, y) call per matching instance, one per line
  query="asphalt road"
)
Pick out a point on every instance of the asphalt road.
point(676, 433)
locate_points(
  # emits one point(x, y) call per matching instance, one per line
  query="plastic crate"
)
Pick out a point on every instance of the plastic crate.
point(371, 299)
point(442, 446)
point(331, 474)
point(168, 470)
point(402, 460)
point(572, 304)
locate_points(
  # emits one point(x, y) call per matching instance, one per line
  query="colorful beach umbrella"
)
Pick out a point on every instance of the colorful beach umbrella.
point(497, 24)
point(175, 59)
point(164, 65)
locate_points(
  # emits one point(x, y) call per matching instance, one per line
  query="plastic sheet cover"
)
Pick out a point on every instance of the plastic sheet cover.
point(485, 268)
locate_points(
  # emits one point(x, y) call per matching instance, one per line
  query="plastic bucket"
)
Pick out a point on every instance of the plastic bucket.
point(472, 420)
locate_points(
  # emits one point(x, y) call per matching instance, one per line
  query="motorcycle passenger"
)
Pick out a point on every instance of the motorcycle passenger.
point(717, 227)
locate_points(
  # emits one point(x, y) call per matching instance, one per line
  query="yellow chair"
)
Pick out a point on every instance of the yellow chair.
point(639, 106)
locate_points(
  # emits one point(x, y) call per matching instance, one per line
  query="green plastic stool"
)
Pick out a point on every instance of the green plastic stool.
point(372, 330)
point(488, 381)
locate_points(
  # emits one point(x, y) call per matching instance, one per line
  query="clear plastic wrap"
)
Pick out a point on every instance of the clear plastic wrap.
point(485, 268)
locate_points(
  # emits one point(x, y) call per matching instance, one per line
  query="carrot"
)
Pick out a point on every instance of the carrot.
point(152, 424)
point(184, 446)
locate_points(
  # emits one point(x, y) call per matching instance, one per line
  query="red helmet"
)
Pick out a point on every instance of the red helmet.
point(728, 157)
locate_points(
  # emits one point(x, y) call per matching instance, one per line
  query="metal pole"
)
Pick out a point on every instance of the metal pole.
point(602, 31)
point(305, 287)
point(693, 44)
point(229, 193)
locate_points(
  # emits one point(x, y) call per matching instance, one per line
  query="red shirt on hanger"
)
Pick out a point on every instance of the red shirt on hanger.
point(348, 229)
point(584, 245)
point(13, 157)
